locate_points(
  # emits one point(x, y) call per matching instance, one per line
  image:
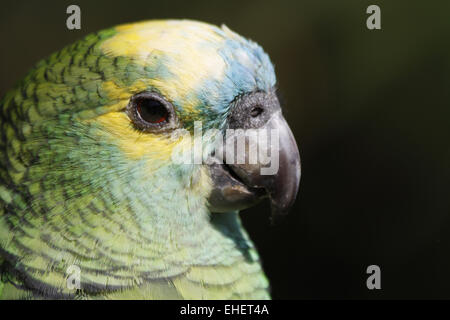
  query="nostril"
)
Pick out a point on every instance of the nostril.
point(256, 111)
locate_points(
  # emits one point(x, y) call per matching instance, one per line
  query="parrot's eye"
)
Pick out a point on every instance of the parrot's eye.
point(152, 113)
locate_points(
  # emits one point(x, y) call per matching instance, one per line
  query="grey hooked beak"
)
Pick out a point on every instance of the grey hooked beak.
point(280, 181)
point(240, 182)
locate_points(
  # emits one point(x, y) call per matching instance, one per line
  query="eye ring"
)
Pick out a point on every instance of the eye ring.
point(150, 112)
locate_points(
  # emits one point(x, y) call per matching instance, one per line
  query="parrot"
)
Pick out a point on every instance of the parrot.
point(92, 203)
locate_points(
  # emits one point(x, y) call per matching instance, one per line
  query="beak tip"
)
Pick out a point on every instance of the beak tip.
point(280, 209)
point(278, 214)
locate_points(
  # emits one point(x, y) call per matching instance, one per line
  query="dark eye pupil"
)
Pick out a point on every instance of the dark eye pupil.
point(152, 111)
point(256, 111)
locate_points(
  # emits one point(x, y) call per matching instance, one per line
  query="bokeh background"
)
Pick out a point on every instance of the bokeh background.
point(369, 109)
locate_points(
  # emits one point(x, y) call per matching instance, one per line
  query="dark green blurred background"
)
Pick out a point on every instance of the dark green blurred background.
point(371, 114)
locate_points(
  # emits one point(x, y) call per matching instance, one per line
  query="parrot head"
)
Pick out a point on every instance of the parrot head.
point(92, 133)
point(182, 73)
